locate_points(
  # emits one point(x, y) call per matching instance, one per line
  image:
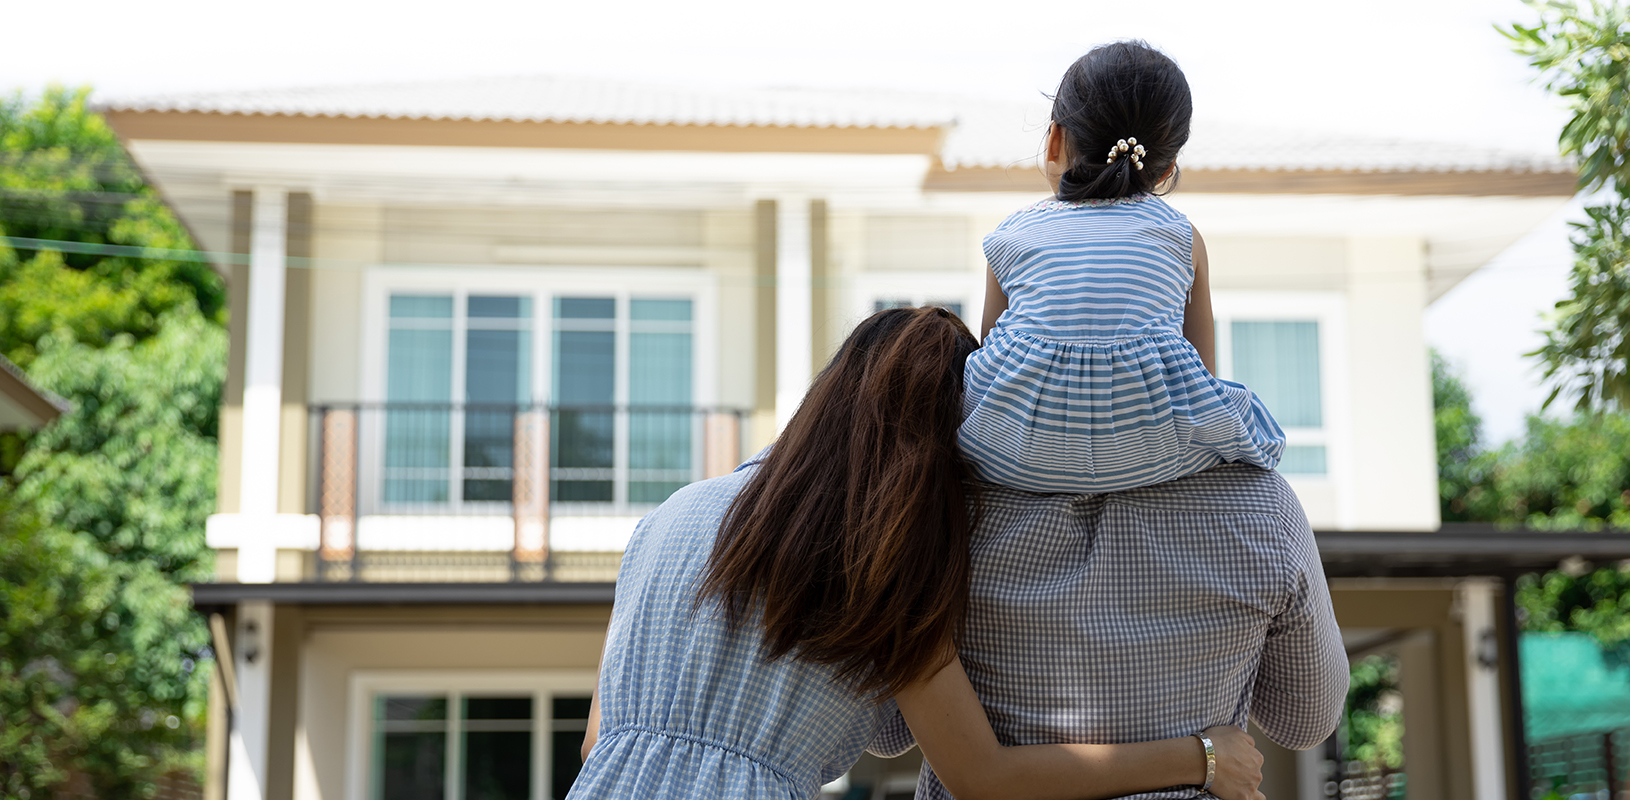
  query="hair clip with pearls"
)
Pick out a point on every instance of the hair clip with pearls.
point(1134, 152)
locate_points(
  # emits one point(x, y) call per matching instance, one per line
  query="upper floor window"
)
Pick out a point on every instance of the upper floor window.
point(1279, 359)
point(460, 366)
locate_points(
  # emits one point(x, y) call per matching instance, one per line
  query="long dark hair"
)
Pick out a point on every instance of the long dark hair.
point(1125, 90)
point(852, 537)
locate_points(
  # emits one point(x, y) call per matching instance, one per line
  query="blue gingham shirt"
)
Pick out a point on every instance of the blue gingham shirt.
point(1150, 613)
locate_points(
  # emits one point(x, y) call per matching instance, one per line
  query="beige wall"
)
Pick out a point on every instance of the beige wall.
point(339, 642)
point(1394, 452)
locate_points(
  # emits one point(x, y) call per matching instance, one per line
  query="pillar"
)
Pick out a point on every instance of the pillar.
point(263, 386)
point(793, 305)
point(250, 739)
point(1423, 728)
point(1475, 599)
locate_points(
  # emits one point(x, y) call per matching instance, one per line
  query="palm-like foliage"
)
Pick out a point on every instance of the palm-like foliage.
point(1583, 55)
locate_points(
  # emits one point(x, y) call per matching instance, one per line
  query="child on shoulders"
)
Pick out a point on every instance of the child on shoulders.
point(1096, 371)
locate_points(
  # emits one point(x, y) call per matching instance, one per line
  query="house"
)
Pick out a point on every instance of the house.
point(479, 327)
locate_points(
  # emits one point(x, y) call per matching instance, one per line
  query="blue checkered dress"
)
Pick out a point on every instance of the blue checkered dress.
point(1150, 613)
point(1086, 383)
point(688, 707)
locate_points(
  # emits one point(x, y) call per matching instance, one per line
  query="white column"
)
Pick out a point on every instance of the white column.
point(262, 386)
point(1476, 600)
point(793, 298)
point(252, 660)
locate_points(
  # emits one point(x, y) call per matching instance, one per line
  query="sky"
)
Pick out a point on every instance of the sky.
point(1419, 69)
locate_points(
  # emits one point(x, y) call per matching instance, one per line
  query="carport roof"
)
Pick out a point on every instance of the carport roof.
point(1455, 550)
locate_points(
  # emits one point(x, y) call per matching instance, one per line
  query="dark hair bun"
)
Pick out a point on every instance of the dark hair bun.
point(1116, 92)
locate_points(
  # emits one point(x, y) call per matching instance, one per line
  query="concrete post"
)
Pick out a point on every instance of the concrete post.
point(263, 386)
point(252, 663)
point(1476, 601)
point(793, 305)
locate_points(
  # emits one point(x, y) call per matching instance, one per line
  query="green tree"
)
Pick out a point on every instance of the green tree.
point(1373, 727)
point(133, 464)
point(1564, 474)
point(64, 178)
point(1583, 55)
point(98, 666)
point(1462, 463)
point(101, 657)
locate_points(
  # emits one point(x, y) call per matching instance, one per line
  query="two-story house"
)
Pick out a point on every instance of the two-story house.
point(479, 327)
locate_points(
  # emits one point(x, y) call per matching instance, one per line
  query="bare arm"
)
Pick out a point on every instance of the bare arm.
point(592, 732)
point(995, 303)
point(1198, 326)
point(956, 738)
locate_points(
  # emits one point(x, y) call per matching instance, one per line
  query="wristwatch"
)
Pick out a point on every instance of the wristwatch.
point(1211, 761)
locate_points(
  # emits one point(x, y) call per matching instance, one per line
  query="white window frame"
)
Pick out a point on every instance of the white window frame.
point(542, 685)
point(1329, 311)
point(542, 284)
point(918, 288)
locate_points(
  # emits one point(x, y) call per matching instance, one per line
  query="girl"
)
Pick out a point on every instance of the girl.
point(764, 619)
point(1096, 369)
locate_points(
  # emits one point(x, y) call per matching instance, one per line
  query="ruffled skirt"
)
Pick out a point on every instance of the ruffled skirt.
point(1045, 415)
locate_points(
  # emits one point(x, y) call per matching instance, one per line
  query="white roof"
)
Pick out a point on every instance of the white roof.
point(979, 133)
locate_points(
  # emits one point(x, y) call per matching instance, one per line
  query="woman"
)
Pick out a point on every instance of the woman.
point(764, 620)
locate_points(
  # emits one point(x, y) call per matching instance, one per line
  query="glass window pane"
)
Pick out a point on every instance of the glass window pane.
point(659, 441)
point(413, 306)
point(497, 748)
point(584, 367)
point(411, 766)
point(660, 310)
point(410, 747)
point(571, 707)
point(417, 449)
point(582, 439)
point(1303, 460)
point(497, 708)
point(483, 307)
point(585, 307)
point(497, 765)
point(497, 372)
point(419, 368)
point(1280, 362)
point(570, 721)
point(409, 708)
point(884, 304)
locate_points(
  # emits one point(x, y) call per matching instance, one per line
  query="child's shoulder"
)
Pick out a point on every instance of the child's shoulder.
point(1052, 209)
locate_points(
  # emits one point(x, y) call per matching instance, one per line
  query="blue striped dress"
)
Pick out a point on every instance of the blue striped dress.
point(1086, 383)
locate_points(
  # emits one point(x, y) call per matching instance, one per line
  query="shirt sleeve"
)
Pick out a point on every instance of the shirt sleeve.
point(1301, 687)
point(893, 738)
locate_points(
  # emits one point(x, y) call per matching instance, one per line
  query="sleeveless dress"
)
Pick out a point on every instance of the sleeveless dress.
point(1086, 384)
point(688, 707)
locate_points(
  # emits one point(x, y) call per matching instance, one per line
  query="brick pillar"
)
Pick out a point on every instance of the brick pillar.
point(531, 486)
point(723, 447)
point(338, 506)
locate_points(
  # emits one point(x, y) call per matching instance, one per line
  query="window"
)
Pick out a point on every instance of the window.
point(474, 745)
point(602, 344)
point(961, 293)
point(1280, 360)
point(425, 433)
point(459, 365)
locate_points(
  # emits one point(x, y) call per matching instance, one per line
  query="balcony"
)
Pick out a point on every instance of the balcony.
point(421, 492)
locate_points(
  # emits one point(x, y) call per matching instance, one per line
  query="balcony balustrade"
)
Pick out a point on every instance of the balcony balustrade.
point(481, 492)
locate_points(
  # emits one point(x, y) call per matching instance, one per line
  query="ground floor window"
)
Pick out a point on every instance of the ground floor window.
point(473, 743)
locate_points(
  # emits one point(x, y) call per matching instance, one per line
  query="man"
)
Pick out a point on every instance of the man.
point(1151, 613)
